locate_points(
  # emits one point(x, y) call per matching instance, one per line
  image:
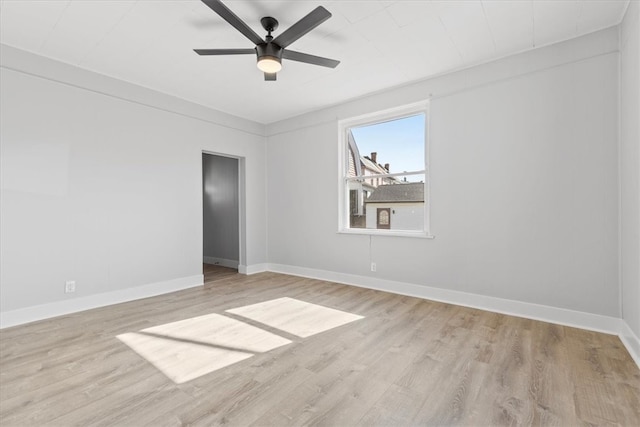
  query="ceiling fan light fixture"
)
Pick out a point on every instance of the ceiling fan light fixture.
point(269, 64)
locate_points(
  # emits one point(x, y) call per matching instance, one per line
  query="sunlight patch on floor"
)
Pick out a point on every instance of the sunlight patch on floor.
point(299, 318)
point(187, 349)
point(190, 348)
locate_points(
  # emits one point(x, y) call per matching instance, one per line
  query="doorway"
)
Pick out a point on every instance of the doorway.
point(221, 216)
point(383, 218)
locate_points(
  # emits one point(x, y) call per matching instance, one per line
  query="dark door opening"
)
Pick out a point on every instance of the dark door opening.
point(221, 229)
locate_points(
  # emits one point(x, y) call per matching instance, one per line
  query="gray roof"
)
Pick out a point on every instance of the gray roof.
point(409, 192)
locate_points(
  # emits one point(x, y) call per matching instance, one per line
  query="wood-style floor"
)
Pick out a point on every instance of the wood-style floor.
point(407, 362)
point(213, 272)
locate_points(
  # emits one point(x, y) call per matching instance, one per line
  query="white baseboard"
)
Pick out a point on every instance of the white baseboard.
point(252, 269)
point(73, 305)
point(631, 341)
point(578, 319)
point(220, 261)
point(560, 316)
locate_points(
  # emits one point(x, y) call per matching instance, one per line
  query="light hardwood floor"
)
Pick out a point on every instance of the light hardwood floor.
point(407, 362)
point(214, 272)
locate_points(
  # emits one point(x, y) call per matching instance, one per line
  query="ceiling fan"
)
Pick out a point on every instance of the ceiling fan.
point(270, 51)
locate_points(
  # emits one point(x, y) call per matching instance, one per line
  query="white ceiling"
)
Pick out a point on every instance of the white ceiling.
point(380, 44)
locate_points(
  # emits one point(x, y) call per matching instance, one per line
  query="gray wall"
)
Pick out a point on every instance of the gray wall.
point(630, 166)
point(524, 185)
point(102, 182)
point(221, 209)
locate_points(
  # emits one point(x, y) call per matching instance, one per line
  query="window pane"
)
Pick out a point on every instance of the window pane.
point(390, 147)
point(393, 206)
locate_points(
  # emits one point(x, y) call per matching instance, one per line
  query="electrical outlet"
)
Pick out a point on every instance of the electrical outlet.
point(373, 266)
point(70, 286)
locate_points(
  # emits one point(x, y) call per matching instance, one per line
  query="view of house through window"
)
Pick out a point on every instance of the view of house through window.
point(385, 174)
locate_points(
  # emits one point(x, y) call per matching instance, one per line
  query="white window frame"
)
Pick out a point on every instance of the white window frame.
point(343, 168)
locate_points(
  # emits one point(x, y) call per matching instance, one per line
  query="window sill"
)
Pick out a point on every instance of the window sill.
point(390, 233)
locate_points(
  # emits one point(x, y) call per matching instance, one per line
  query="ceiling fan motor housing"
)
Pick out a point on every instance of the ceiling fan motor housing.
point(270, 50)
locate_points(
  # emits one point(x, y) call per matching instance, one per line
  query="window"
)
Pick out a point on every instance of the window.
point(383, 186)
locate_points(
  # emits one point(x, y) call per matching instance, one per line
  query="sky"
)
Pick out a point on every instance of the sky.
point(398, 142)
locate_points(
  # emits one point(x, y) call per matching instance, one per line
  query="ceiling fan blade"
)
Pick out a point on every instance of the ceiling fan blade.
point(270, 77)
point(309, 59)
point(225, 13)
point(316, 17)
point(224, 51)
